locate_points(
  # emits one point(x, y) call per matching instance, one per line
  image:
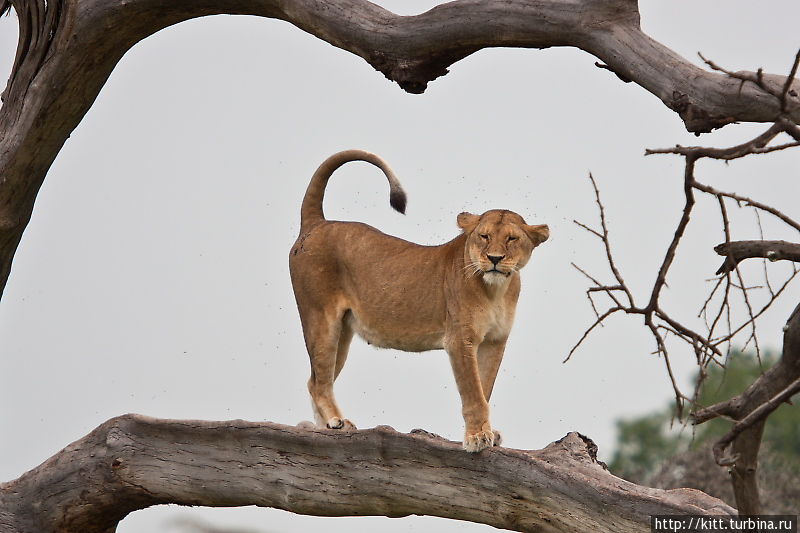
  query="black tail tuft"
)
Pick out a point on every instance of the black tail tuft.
point(397, 199)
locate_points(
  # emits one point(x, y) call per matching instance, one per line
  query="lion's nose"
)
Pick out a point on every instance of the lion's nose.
point(495, 258)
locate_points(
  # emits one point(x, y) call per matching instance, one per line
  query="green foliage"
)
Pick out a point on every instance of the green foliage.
point(645, 442)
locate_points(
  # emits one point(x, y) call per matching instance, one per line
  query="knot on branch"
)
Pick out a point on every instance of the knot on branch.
point(578, 447)
point(603, 66)
point(427, 434)
point(414, 74)
point(696, 119)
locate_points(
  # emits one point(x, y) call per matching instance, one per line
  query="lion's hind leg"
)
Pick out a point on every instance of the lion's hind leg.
point(326, 336)
point(345, 338)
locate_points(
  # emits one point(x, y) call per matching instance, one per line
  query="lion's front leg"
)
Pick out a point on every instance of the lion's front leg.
point(490, 355)
point(478, 433)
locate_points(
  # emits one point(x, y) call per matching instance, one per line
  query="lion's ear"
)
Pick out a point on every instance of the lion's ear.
point(467, 221)
point(537, 234)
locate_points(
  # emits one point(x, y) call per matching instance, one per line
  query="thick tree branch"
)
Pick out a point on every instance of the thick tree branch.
point(737, 251)
point(68, 49)
point(132, 462)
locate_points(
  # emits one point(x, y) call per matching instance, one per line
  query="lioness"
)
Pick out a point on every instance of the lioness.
point(460, 296)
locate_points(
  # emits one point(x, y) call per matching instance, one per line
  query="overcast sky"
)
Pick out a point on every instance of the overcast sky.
point(153, 276)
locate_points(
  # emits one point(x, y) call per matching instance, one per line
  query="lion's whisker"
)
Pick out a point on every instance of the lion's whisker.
point(475, 266)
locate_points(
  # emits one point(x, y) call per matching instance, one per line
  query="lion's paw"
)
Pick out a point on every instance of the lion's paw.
point(340, 423)
point(498, 438)
point(481, 440)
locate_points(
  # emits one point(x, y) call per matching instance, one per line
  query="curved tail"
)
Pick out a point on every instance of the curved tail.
point(311, 208)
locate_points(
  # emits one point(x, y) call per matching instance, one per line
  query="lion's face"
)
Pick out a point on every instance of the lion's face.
point(499, 243)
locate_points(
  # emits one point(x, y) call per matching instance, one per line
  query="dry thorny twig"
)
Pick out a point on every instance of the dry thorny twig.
point(711, 346)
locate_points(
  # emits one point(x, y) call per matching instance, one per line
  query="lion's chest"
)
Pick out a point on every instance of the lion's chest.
point(497, 321)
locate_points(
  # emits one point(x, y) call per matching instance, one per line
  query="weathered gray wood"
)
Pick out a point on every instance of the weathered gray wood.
point(132, 462)
point(68, 49)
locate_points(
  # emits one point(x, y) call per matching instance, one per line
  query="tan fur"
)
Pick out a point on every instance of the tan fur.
point(350, 278)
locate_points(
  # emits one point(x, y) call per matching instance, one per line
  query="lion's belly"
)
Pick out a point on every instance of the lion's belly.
point(415, 338)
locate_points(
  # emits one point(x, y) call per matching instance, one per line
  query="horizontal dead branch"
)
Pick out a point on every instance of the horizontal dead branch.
point(132, 462)
point(754, 146)
point(758, 145)
point(724, 409)
point(737, 251)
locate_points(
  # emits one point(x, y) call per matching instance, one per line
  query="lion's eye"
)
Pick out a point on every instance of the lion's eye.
point(484, 236)
point(512, 238)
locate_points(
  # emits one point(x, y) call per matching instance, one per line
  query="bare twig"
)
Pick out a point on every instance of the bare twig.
point(606, 288)
point(607, 243)
point(744, 199)
point(669, 257)
point(753, 146)
point(763, 263)
point(788, 85)
point(753, 334)
point(754, 77)
point(590, 230)
point(762, 310)
point(582, 271)
point(662, 349)
point(724, 304)
point(586, 333)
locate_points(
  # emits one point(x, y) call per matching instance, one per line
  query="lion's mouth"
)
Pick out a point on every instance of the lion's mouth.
point(494, 270)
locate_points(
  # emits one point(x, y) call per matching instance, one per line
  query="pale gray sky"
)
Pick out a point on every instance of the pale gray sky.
point(153, 276)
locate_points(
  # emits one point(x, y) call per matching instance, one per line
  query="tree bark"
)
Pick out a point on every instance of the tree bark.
point(132, 462)
point(744, 471)
point(68, 48)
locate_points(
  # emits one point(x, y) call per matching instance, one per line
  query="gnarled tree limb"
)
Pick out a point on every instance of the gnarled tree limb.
point(132, 462)
point(68, 49)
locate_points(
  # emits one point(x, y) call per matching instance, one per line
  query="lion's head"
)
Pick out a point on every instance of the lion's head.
point(499, 243)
